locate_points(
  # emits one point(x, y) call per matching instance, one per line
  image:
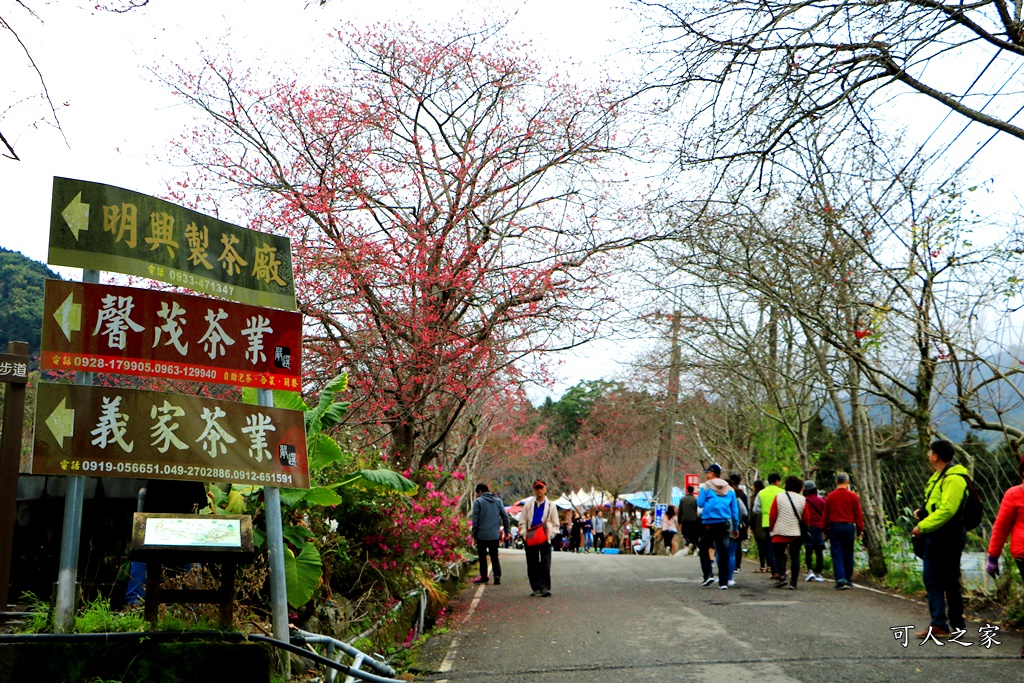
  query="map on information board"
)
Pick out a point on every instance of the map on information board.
point(212, 532)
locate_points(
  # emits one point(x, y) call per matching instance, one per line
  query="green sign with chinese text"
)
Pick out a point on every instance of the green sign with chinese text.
point(102, 227)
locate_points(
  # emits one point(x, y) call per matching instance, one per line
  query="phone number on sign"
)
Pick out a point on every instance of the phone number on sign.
point(144, 366)
point(211, 473)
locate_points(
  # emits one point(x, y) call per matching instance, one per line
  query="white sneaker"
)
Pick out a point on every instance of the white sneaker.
point(708, 581)
point(810, 576)
point(724, 588)
point(731, 583)
point(819, 579)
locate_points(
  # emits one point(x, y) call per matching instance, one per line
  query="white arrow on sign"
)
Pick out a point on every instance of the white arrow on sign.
point(76, 215)
point(61, 422)
point(69, 316)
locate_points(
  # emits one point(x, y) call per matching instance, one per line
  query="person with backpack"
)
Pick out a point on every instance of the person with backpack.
point(941, 525)
point(1009, 524)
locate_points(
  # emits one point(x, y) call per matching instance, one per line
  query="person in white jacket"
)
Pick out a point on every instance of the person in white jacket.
point(538, 514)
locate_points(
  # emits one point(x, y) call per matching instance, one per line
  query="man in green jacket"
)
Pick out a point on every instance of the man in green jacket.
point(763, 504)
point(940, 522)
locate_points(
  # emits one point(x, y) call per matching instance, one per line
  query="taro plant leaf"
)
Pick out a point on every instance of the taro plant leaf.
point(385, 481)
point(235, 503)
point(317, 496)
point(290, 400)
point(333, 414)
point(302, 574)
point(323, 451)
point(292, 497)
point(298, 536)
point(322, 496)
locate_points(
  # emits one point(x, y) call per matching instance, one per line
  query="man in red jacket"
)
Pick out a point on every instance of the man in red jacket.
point(843, 519)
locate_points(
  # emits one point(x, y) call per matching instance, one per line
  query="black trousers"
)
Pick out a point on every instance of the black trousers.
point(941, 575)
point(538, 566)
point(483, 549)
point(599, 540)
point(793, 546)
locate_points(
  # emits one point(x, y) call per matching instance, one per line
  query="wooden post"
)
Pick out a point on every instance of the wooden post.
point(10, 454)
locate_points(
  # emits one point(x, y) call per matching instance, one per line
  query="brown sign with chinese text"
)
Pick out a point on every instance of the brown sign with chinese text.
point(98, 431)
point(124, 330)
point(102, 227)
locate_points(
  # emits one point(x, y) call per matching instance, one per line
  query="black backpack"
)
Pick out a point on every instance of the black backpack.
point(971, 507)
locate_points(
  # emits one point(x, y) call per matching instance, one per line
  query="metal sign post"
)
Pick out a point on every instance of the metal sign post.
point(74, 497)
point(275, 550)
point(14, 372)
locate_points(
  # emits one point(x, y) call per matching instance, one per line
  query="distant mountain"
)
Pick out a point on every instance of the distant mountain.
point(21, 299)
point(1005, 395)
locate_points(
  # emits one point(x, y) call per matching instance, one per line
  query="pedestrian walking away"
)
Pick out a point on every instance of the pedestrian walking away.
point(814, 544)
point(759, 533)
point(736, 544)
point(788, 518)
point(689, 520)
point(764, 505)
point(488, 519)
point(940, 525)
point(669, 529)
point(1009, 524)
point(843, 520)
point(720, 515)
point(539, 518)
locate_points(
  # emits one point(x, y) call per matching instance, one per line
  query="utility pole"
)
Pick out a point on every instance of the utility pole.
point(666, 456)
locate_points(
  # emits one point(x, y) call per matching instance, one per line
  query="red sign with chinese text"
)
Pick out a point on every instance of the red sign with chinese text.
point(129, 331)
point(691, 480)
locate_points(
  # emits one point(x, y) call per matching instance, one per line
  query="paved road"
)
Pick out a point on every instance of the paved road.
point(638, 619)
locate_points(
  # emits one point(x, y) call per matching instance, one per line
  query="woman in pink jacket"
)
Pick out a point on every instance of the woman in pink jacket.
point(1009, 523)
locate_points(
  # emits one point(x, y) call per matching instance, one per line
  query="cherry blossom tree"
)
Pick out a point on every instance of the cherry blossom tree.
point(441, 193)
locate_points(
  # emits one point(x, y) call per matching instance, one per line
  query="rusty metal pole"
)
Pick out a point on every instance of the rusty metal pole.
point(10, 458)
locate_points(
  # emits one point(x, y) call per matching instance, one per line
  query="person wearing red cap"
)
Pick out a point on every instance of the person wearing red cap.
point(539, 516)
point(1009, 524)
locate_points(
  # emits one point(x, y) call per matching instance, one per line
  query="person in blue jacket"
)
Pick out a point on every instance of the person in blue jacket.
point(720, 517)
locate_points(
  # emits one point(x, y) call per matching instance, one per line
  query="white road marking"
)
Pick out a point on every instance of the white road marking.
point(453, 649)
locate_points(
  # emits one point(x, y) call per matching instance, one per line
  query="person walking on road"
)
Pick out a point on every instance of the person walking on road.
point(759, 532)
point(764, 506)
point(787, 516)
point(488, 519)
point(688, 520)
point(576, 533)
point(720, 516)
point(588, 533)
point(815, 542)
point(940, 523)
point(538, 515)
point(669, 528)
point(736, 544)
point(599, 527)
point(1009, 524)
point(843, 519)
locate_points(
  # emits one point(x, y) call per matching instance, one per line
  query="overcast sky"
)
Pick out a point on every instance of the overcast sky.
point(117, 122)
